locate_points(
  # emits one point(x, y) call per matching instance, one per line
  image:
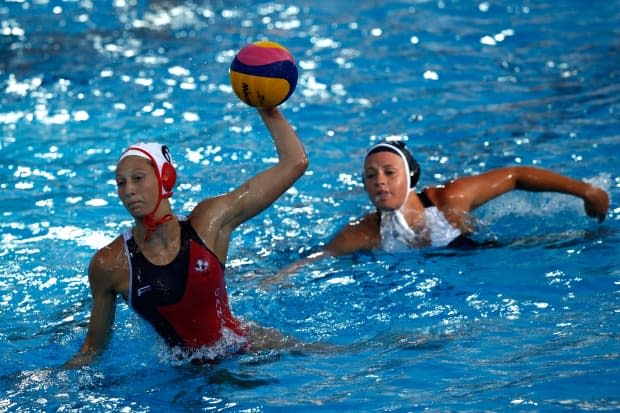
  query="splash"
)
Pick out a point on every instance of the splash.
point(229, 344)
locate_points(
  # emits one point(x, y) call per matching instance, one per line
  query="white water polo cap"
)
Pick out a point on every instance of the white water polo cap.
point(160, 158)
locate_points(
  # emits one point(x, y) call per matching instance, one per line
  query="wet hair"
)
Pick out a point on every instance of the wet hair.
point(398, 147)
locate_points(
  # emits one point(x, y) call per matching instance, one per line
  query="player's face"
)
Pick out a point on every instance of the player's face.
point(385, 179)
point(137, 185)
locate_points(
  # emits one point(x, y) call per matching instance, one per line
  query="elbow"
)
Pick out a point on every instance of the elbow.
point(304, 163)
point(519, 177)
point(301, 166)
point(293, 167)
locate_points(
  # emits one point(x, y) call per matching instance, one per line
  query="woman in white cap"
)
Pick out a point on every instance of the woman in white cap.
point(439, 215)
point(171, 269)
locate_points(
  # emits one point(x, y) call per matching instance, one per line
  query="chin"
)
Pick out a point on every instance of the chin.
point(382, 206)
point(136, 213)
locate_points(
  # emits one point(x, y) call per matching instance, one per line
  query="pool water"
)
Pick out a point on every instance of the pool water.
point(527, 324)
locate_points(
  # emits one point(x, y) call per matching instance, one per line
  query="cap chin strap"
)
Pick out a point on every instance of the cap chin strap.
point(151, 223)
point(402, 207)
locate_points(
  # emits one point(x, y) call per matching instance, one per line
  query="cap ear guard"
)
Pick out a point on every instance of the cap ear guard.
point(168, 176)
point(168, 173)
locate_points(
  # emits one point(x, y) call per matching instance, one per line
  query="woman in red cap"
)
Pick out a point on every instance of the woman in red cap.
point(170, 269)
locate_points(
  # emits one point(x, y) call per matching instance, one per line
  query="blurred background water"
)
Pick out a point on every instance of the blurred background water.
point(471, 85)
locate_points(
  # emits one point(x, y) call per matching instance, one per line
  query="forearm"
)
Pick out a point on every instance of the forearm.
point(263, 189)
point(537, 179)
point(101, 317)
point(282, 276)
point(85, 356)
point(79, 360)
point(291, 153)
point(596, 200)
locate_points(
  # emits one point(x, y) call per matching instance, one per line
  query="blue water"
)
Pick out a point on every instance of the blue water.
point(528, 325)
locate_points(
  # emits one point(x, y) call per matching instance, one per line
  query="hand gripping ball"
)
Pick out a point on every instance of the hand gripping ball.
point(263, 74)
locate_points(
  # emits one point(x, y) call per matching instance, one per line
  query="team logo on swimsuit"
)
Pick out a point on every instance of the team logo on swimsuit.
point(144, 289)
point(201, 265)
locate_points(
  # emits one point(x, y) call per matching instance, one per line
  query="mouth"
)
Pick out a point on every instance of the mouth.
point(382, 195)
point(133, 205)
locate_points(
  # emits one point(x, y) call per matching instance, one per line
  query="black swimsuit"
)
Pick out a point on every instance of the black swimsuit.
point(184, 300)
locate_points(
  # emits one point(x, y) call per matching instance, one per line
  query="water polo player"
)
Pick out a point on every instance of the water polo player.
point(170, 269)
point(439, 215)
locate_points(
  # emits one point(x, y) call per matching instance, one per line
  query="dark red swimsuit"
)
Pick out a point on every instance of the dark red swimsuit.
point(185, 300)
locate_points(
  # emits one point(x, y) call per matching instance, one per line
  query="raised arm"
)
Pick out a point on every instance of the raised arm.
point(292, 159)
point(216, 218)
point(262, 190)
point(470, 192)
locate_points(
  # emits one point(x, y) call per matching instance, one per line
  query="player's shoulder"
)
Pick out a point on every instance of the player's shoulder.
point(109, 257)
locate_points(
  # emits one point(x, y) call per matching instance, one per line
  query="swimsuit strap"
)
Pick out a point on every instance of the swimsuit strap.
point(426, 202)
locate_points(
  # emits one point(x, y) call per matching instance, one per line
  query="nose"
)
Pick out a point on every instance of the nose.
point(379, 179)
point(127, 190)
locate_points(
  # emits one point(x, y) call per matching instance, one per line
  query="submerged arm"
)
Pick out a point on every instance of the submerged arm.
point(356, 236)
point(101, 316)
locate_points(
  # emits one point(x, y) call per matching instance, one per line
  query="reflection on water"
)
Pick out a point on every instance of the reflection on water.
point(526, 322)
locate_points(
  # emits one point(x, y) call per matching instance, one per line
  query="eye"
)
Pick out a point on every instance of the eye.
point(137, 178)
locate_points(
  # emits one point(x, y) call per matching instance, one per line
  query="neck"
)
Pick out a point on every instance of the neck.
point(149, 233)
point(162, 245)
point(413, 211)
point(151, 225)
point(152, 221)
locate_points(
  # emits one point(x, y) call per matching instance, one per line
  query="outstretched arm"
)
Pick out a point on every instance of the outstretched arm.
point(470, 192)
point(348, 240)
point(362, 234)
